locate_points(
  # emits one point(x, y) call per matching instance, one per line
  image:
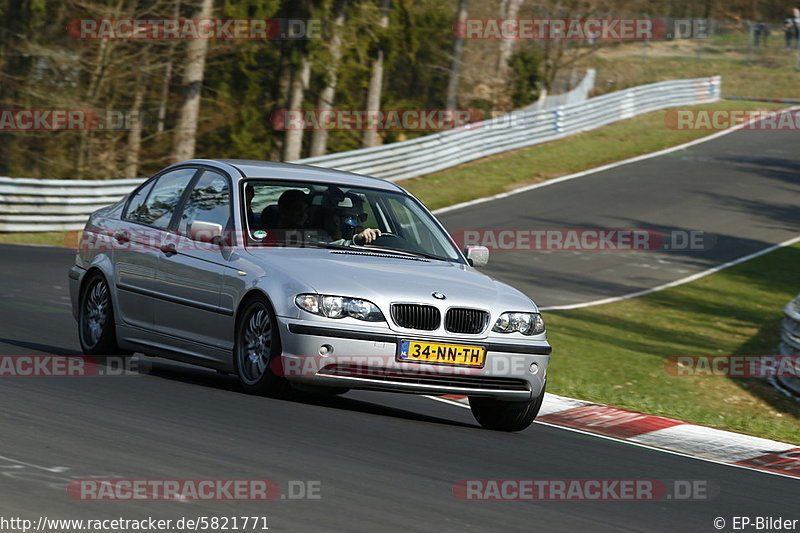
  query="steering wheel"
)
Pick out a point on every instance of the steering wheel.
point(386, 238)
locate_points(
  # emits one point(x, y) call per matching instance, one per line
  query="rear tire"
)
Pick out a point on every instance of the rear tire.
point(257, 349)
point(505, 416)
point(96, 330)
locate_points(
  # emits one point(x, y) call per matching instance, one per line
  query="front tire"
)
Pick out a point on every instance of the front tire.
point(96, 318)
point(505, 416)
point(257, 347)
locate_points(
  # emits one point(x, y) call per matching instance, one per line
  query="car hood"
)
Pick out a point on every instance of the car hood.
point(380, 278)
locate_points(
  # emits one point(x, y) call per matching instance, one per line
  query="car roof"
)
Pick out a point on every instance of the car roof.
point(247, 168)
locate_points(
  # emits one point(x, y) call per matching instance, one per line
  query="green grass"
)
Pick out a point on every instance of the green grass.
point(615, 353)
point(771, 75)
point(766, 73)
point(44, 238)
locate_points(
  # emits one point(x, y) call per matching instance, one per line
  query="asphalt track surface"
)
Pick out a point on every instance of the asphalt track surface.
point(389, 462)
point(742, 190)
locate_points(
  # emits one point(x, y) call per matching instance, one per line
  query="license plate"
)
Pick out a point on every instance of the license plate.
point(446, 354)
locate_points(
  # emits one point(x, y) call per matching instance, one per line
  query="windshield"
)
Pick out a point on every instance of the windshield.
point(308, 214)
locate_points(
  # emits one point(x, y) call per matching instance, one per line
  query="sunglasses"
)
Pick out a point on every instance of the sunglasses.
point(354, 220)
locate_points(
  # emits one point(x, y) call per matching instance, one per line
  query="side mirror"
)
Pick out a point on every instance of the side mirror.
point(477, 256)
point(206, 232)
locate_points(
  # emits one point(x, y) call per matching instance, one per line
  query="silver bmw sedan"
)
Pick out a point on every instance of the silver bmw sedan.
point(301, 277)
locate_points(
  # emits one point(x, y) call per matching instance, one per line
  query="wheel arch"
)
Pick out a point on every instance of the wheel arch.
point(247, 298)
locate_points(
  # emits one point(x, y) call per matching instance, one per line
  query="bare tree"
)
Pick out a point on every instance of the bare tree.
point(509, 9)
point(167, 79)
point(458, 50)
point(559, 55)
point(370, 137)
point(134, 134)
point(294, 136)
point(319, 138)
point(186, 128)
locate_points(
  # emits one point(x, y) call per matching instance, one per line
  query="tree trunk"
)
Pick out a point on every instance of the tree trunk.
point(319, 137)
point(164, 96)
point(186, 129)
point(162, 103)
point(370, 137)
point(135, 134)
point(458, 50)
point(294, 137)
point(509, 10)
point(284, 87)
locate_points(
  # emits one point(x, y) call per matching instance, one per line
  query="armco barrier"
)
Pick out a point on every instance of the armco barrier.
point(423, 155)
point(790, 342)
point(49, 205)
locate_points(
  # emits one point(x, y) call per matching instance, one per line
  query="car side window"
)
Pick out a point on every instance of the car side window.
point(165, 194)
point(209, 201)
point(137, 201)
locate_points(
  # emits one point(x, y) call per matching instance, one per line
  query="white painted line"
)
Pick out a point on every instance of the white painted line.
point(675, 283)
point(602, 168)
point(663, 450)
point(615, 165)
point(704, 444)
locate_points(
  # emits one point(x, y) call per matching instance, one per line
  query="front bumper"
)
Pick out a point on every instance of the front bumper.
point(367, 359)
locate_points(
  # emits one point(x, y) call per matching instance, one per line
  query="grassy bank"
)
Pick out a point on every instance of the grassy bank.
point(771, 74)
point(510, 170)
point(615, 353)
point(43, 238)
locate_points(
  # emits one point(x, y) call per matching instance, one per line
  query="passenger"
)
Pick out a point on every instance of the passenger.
point(292, 209)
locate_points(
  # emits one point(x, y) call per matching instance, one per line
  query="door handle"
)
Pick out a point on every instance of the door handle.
point(122, 237)
point(169, 248)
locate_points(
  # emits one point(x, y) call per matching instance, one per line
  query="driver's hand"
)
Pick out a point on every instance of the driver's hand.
point(367, 236)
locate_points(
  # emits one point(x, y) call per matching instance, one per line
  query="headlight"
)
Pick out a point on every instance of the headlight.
point(339, 307)
point(525, 323)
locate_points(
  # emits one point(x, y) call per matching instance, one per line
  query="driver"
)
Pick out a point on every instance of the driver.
point(348, 216)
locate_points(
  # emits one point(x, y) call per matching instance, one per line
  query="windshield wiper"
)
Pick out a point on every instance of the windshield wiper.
point(376, 249)
point(401, 252)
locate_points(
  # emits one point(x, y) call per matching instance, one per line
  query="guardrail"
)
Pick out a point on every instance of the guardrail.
point(423, 155)
point(790, 342)
point(51, 205)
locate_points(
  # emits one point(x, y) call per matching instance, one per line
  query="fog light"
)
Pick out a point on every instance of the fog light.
point(325, 349)
point(534, 368)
